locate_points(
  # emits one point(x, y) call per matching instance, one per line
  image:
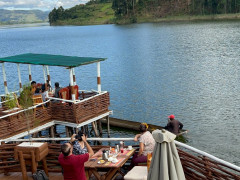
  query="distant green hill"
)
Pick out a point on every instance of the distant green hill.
point(93, 12)
point(22, 16)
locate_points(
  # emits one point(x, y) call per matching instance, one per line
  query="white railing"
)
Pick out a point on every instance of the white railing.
point(230, 165)
point(101, 93)
point(208, 155)
point(68, 138)
point(9, 93)
point(24, 110)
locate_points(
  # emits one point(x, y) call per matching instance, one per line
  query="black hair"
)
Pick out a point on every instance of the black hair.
point(56, 84)
point(142, 128)
point(33, 82)
point(79, 135)
point(65, 149)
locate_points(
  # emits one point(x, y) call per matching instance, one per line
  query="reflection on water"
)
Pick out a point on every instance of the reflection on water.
point(153, 70)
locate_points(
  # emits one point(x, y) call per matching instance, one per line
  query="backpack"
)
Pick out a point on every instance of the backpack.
point(40, 175)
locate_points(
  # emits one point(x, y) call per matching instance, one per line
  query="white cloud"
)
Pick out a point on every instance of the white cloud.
point(39, 4)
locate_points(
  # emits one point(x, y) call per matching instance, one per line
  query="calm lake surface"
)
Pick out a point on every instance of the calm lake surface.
point(191, 70)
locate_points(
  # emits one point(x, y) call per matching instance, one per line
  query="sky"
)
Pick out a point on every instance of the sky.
point(45, 5)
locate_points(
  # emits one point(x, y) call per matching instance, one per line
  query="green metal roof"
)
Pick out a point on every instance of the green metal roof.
point(51, 60)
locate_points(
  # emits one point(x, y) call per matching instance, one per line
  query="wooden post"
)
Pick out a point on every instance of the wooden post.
point(19, 77)
point(29, 73)
point(52, 133)
point(100, 127)
point(86, 129)
point(98, 77)
point(74, 77)
point(95, 129)
point(44, 74)
point(71, 84)
point(108, 126)
point(4, 79)
point(67, 133)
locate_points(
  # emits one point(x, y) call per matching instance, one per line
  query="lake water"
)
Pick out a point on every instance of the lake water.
point(153, 70)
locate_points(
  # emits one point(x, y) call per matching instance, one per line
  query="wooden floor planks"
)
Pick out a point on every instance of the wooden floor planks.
point(18, 176)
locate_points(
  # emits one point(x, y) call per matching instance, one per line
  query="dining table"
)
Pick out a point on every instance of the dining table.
point(95, 165)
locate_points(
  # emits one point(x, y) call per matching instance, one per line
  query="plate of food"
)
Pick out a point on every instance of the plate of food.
point(101, 162)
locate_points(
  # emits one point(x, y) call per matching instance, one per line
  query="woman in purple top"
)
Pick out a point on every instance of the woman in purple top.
point(146, 144)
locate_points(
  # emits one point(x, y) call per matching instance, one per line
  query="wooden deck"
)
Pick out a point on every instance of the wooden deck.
point(52, 176)
point(18, 176)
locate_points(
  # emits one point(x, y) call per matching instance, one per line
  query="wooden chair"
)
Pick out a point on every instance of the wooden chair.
point(37, 99)
point(64, 93)
point(149, 160)
point(75, 88)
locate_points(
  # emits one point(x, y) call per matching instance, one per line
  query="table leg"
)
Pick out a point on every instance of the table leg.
point(23, 165)
point(45, 166)
point(111, 173)
point(95, 173)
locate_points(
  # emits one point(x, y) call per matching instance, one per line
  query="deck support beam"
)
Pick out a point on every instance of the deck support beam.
point(108, 126)
point(29, 73)
point(71, 84)
point(44, 74)
point(4, 79)
point(19, 77)
point(98, 77)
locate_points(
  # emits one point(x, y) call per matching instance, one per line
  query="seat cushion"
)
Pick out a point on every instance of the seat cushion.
point(137, 173)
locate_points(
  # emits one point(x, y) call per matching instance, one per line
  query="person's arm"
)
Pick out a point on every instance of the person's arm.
point(90, 151)
point(136, 137)
point(181, 125)
point(141, 145)
point(73, 138)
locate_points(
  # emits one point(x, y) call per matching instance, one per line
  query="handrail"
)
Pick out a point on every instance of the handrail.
point(208, 155)
point(101, 93)
point(9, 93)
point(6, 101)
point(65, 100)
point(32, 107)
point(132, 139)
point(68, 138)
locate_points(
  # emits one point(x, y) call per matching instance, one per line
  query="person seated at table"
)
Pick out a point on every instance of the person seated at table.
point(73, 165)
point(35, 90)
point(57, 89)
point(45, 91)
point(146, 144)
point(78, 144)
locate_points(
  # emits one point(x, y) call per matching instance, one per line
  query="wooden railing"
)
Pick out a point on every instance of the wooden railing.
point(196, 166)
point(13, 122)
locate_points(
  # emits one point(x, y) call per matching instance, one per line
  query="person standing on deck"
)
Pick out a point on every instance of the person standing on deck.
point(173, 125)
point(73, 165)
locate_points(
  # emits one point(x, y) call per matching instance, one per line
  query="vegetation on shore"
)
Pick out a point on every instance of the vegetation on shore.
point(22, 16)
point(133, 11)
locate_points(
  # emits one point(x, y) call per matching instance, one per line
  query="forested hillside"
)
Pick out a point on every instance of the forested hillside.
point(130, 11)
point(94, 12)
point(22, 16)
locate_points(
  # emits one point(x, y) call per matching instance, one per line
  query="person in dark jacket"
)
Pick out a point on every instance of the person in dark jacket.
point(173, 125)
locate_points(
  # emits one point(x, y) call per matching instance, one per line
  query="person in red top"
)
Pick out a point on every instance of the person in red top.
point(73, 165)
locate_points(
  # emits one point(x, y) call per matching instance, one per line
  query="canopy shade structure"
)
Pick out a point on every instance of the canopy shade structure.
point(51, 60)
